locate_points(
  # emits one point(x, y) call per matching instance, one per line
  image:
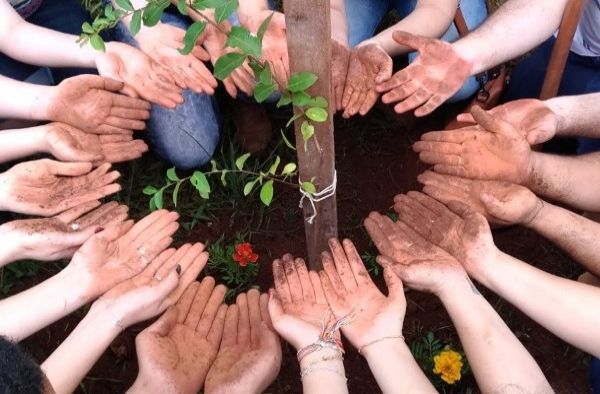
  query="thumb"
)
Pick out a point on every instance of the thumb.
point(460, 208)
point(78, 238)
point(466, 118)
point(410, 40)
point(165, 323)
point(274, 306)
point(68, 169)
point(492, 123)
point(492, 205)
point(278, 20)
point(112, 85)
point(393, 283)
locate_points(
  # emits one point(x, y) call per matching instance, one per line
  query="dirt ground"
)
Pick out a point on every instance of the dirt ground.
point(374, 163)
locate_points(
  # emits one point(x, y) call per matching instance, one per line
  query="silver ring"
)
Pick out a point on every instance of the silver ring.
point(158, 277)
point(141, 250)
point(75, 226)
point(144, 260)
point(459, 160)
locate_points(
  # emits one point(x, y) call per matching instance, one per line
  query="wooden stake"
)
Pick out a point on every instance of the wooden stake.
point(309, 45)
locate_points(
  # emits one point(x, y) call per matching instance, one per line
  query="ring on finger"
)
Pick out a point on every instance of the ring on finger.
point(141, 250)
point(75, 226)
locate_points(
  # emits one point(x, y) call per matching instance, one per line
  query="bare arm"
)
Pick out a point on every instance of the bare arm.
point(20, 100)
point(577, 115)
point(339, 22)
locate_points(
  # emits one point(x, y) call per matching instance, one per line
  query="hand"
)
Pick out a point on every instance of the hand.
point(456, 229)
point(242, 78)
point(46, 187)
point(533, 118)
point(435, 75)
point(120, 252)
point(274, 45)
point(499, 152)
point(368, 66)
point(156, 288)
point(143, 77)
point(94, 104)
point(60, 236)
point(502, 203)
point(162, 43)
point(418, 263)
point(68, 143)
point(340, 56)
point(176, 352)
point(250, 355)
point(351, 292)
point(297, 307)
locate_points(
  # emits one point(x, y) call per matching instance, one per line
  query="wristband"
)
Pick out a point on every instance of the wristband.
point(360, 350)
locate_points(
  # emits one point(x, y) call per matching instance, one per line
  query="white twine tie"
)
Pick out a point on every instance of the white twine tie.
point(324, 194)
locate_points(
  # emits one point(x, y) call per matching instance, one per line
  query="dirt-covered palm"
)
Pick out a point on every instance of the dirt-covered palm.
point(340, 57)
point(60, 236)
point(143, 77)
point(120, 252)
point(298, 307)
point(176, 352)
point(47, 187)
point(93, 104)
point(352, 294)
point(498, 152)
point(435, 75)
point(502, 203)
point(456, 228)
point(368, 66)
point(68, 143)
point(532, 117)
point(420, 264)
point(162, 43)
point(250, 355)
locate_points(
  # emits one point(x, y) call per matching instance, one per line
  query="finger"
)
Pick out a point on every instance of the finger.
point(317, 287)
point(254, 314)
point(432, 103)
point(348, 92)
point(103, 214)
point(142, 107)
point(116, 153)
point(161, 227)
point(369, 102)
point(361, 275)
point(331, 295)
point(210, 311)
point(465, 118)
point(130, 113)
point(230, 328)
point(331, 271)
point(451, 170)
point(67, 169)
point(342, 265)
point(230, 87)
point(190, 275)
point(200, 53)
point(243, 319)
point(155, 263)
point(169, 264)
point(429, 203)
point(394, 285)
point(307, 290)
point(264, 310)
point(185, 301)
point(164, 324)
point(339, 94)
point(76, 212)
point(440, 158)
point(216, 329)
point(112, 85)
point(350, 107)
point(410, 40)
point(161, 234)
point(381, 242)
point(115, 138)
point(400, 92)
point(88, 196)
point(145, 223)
point(123, 123)
point(281, 284)
point(491, 123)
point(412, 102)
point(199, 303)
point(292, 278)
point(106, 129)
point(455, 136)
point(445, 181)
point(437, 147)
point(206, 76)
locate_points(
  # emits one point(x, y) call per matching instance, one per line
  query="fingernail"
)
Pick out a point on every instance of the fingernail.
point(178, 269)
point(99, 229)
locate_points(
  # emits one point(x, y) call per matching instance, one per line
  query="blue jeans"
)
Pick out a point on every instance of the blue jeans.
point(186, 136)
point(61, 15)
point(364, 16)
point(595, 375)
point(581, 76)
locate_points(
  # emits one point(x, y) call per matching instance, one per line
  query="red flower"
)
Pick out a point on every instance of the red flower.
point(244, 254)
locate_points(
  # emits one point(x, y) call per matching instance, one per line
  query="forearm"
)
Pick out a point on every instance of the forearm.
point(504, 29)
point(71, 361)
point(22, 142)
point(13, 249)
point(323, 373)
point(573, 180)
point(251, 7)
point(562, 306)
point(31, 310)
point(488, 342)
point(429, 19)
point(573, 233)
point(578, 115)
point(20, 100)
point(339, 22)
point(392, 358)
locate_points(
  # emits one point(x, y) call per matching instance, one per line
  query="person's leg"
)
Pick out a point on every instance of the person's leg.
point(363, 18)
point(595, 375)
point(186, 136)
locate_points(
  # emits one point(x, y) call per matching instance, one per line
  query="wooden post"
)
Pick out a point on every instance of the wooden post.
point(309, 45)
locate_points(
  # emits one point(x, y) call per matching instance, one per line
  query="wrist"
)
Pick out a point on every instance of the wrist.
point(466, 53)
point(13, 249)
point(38, 137)
point(41, 107)
point(562, 111)
point(536, 216)
point(385, 350)
point(103, 310)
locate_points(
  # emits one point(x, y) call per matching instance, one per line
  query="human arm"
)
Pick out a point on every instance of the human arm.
point(149, 293)
point(483, 334)
point(375, 321)
point(299, 310)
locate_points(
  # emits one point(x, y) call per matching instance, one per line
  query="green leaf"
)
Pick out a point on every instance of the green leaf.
point(319, 101)
point(214, 166)
point(308, 187)
point(87, 28)
point(109, 12)
point(97, 42)
point(240, 37)
point(307, 130)
point(240, 161)
point(285, 99)
point(176, 193)
point(153, 12)
point(182, 7)
point(317, 114)
point(301, 81)
point(149, 190)
point(191, 36)
point(286, 141)
point(125, 4)
point(223, 180)
point(225, 9)
point(227, 63)
point(300, 99)
point(265, 75)
point(260, 34)
point(158, 199)
point(273, 168)
point(136, 23)
point(200, 182)
point(289, 169)
point(249, 186)
point(172, 175)
point(152, 205)
point(264, 91)
point(292, 119)
point(266, 193)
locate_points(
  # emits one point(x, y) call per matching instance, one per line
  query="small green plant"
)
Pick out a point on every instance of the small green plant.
point(369, 258)
point(236, 264)
point(12, 274)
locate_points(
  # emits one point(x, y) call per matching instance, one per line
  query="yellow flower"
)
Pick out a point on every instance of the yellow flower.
point(448, 365)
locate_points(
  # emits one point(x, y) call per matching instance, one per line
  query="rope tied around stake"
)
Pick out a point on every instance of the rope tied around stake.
point(324, 194)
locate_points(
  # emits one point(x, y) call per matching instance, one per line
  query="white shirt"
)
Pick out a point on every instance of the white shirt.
point(586, 41)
